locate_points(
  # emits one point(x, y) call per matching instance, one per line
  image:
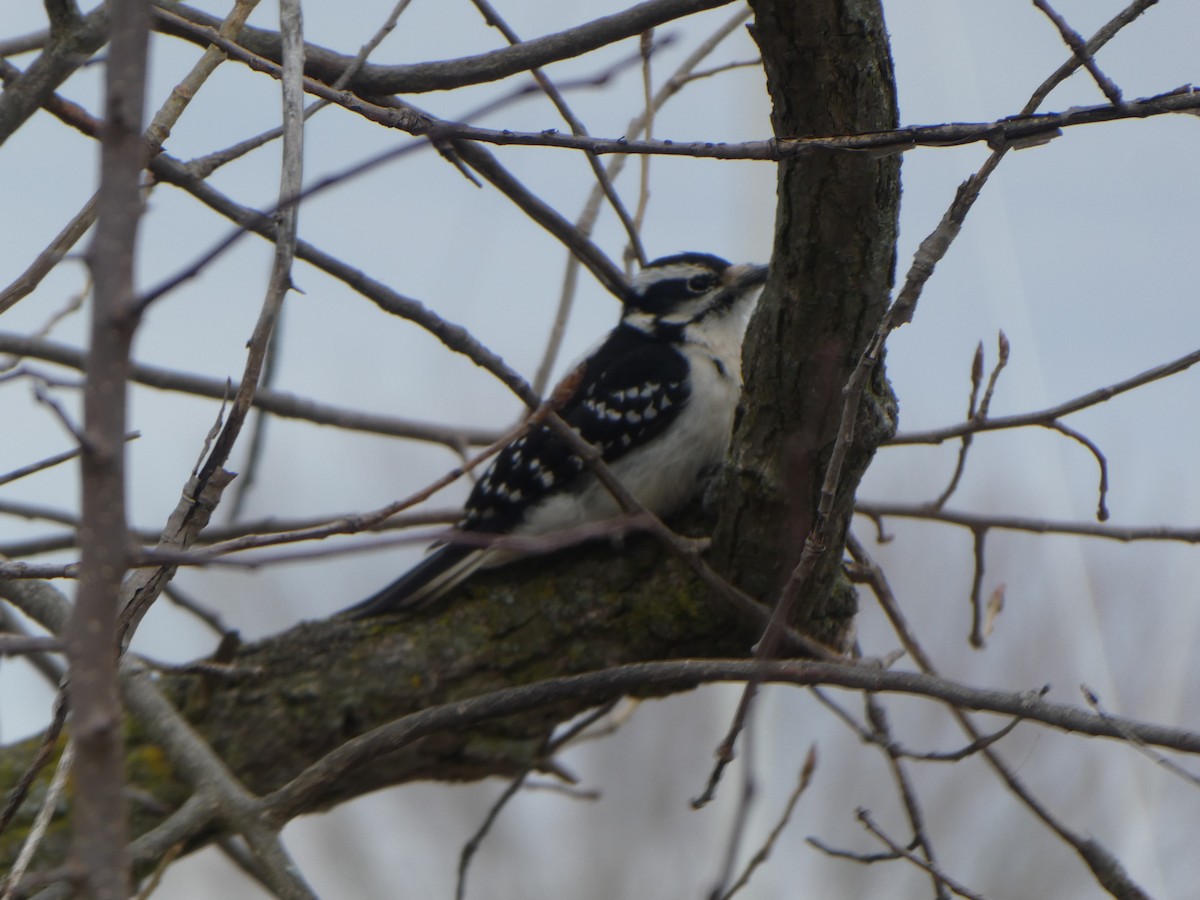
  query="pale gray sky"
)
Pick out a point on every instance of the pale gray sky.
point(1082, 251)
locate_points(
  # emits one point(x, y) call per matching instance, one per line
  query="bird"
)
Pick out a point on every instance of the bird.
point(656, 397)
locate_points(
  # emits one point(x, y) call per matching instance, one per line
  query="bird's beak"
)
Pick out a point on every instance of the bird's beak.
point(745, 276)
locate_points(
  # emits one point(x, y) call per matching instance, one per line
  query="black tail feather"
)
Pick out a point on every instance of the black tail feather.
point(422, 584)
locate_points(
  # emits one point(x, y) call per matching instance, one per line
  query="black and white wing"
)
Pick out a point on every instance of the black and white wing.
point(631, 390)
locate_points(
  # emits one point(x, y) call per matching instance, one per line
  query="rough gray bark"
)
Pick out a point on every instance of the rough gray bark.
point(829, 71)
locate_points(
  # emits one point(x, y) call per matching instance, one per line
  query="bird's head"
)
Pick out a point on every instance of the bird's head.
point(674, 292)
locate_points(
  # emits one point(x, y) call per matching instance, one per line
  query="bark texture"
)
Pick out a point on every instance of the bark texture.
point(296, 696)
point(829, 72)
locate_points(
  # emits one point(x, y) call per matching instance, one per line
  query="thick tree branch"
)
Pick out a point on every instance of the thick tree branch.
point(328, 66)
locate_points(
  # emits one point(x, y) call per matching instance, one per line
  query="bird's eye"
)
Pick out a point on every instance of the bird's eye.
point(698, 284)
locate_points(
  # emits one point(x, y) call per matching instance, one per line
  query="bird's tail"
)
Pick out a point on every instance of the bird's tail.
point(424, 583)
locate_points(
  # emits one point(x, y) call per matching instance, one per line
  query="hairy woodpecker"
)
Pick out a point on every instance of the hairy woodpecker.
point(657, 398)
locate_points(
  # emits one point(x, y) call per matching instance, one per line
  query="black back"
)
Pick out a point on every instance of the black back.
point(631, 389)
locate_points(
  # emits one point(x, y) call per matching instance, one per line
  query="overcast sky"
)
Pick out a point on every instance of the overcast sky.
point(1082, 251)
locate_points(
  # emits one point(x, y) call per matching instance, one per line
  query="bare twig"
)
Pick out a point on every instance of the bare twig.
point(648, 110)
point(24, 644)
point(1074, 40)
point(975, 521)
point(279, 403)
point(877, 716)
point(1040, 417)
point(974, 413)
point(939, 877)
point(50, 461)
point(979, 536)
point(203, 491)
point(156, 134)
point(442, 75)
point(1101, 461)
point(48, 665)
point(44, 753)
point(869, 736)
point(806, 773)
point(25, 43)
point(472, 845)
point(40, 823)
point(1093, 700)
point(493, 18)
point(553, 745)
point(741, 815)
point(1105, 868)
point(587, 218)
point(1107, 32)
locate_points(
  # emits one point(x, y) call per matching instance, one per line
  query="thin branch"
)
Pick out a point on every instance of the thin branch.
point(279, 403)
point(25, 283)
point(40, 823)
point(24, 644)
point(939, 877)
point(648, 110)
point(979, 553)
point(1093, 700)
point(25, 43)
point(552, 746)
point(741, 815)
point(45, 752)
point(442, 75)
point(1074, 40)
point(586, 220)
point(204, 489)
point(199, 764)
point(308, 528)
point(1105, 868)
point(961, 465)
point(1012, 132)
point(1101, 461)
point(1106, 33)
point(806, 773)
point(51, 461)
point(975, 413)
point(47, 665)
point(472, 845)
point(1048, 418)
point(877, 716)
point(853, 856)
point(973, 521)
point(494, 19)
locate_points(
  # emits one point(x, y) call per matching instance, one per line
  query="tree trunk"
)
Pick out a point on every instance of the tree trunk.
point(829, 72)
